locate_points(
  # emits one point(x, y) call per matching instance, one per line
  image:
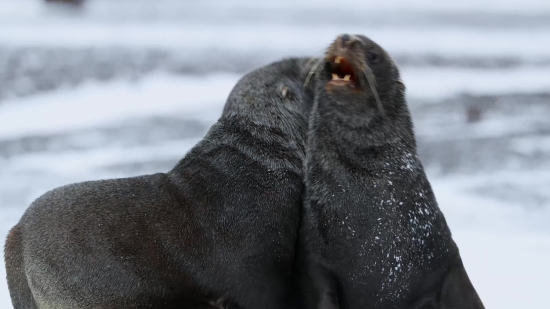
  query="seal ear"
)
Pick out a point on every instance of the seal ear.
point(286, 92)
point(457, 292)
point(400, 84)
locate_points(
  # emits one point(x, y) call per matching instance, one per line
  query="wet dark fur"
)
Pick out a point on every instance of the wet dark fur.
point(219, 230)
point(373, 235)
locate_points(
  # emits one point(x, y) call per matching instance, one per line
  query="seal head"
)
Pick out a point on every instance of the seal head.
point(273, 95)
point(361, 79)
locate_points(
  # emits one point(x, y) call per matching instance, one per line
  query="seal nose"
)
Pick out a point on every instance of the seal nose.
point(347, 40)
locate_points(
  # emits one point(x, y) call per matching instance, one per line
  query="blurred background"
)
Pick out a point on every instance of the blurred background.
point(115, 88)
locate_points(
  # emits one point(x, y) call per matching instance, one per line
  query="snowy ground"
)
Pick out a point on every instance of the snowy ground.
point(120, 88)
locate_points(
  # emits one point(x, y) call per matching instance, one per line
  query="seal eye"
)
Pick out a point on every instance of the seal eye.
point(373, 57)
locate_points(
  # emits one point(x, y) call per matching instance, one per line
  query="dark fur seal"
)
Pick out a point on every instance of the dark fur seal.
point(219, 230)
point(373, 234)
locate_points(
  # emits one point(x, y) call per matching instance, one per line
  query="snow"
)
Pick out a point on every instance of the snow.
point(508, 270)
point(432, 83)
point(199, 25)
point(164, 8)
point(94, 104)
point(241, 38)
point(499, 212)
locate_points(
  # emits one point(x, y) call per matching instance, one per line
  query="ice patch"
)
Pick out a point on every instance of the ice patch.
point(99, 103)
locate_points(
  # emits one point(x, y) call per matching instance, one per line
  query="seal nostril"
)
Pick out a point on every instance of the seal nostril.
point(344, 40)
point(347, 40)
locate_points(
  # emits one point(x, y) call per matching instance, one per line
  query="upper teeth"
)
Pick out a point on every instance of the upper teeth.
point(346, 78)
point(337, 59)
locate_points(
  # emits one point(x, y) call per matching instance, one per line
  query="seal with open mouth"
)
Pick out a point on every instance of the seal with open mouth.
point(217, 231)
point(372, 235)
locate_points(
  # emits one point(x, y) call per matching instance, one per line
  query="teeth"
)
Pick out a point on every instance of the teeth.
point(346, 78)
point(336, 77)
point(337, 59)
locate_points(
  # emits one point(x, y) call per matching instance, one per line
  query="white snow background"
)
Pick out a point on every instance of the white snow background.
point(167, 67)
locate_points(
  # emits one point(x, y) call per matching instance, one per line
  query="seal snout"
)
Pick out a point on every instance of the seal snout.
point(342, 61)
point(347, 40)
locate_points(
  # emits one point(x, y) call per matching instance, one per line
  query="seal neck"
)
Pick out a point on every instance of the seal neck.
point(234, 138)
point(288, 129)
point(391, 130)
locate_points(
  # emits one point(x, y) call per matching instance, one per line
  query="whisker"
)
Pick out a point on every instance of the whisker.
point(312, 71)
point(372, 83)
point(310, 60)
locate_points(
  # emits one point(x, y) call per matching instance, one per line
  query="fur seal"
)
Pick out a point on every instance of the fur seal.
point(373, 235)
point(217, 231)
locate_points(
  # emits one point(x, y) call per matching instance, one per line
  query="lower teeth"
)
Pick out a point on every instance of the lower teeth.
point(336, 77)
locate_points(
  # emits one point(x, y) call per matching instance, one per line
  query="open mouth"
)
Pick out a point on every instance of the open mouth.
point(341, 72)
